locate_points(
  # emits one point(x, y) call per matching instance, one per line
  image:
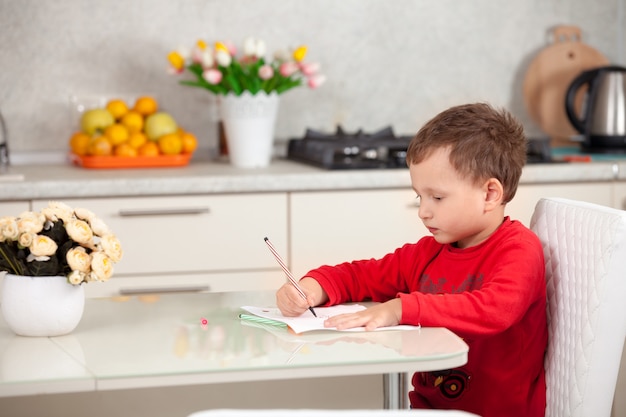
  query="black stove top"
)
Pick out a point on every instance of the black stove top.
point(359, 150)
point(379, 150)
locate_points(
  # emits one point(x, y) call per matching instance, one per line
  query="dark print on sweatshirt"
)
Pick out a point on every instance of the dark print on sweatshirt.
point(451, 383)
point(441, 285)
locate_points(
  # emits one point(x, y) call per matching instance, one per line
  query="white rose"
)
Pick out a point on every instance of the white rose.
point(84, 214)
point(26, 239)
point(79, 231)
point(111, 247)
point(57, 210)
point(42, 246)
point(9, 228)
point(101, 266)
point(76, 277)
point(30, 222)
point(99, 227)
point(91, 277)
point(78, 259)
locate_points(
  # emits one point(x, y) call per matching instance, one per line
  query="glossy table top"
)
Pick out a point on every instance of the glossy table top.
point(150, 341)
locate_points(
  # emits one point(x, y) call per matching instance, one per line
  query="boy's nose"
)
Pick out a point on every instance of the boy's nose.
point(423, 211)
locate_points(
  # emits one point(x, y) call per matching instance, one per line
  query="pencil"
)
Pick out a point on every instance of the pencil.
point(287, 272)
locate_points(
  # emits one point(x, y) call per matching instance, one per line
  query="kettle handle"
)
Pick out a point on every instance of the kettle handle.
point(570, 97)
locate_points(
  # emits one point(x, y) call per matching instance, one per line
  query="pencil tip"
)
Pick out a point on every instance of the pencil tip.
point(265, 239)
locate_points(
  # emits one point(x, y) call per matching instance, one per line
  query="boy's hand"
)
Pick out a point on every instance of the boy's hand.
point(380, 315)
point(290, 302)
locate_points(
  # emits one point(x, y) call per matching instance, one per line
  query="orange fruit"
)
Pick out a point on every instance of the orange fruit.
point(136, 139)
point(170, 144)
point(116, 134)
point(79, 143)
point(100, 146)
point(117, 108)
point(133, 121)
point(190, 143)
point(146, 105)
point(125, 150)
point(149, 149)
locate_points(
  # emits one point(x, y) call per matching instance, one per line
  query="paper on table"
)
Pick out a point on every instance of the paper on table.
point(307, 322)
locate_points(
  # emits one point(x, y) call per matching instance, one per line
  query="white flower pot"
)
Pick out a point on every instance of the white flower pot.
point(249, 122)
point(41, 306)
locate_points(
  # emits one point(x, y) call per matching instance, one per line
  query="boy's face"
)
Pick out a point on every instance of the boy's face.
point(451, 207)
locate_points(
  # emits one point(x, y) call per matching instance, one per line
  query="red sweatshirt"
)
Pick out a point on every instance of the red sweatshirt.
point(493, 295)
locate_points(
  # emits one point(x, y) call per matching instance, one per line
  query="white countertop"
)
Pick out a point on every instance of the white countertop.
point(36, 181)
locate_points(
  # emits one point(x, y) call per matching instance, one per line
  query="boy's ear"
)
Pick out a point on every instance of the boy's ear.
point(494, 194)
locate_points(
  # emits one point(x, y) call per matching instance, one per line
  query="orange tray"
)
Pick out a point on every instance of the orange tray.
point(113, 162)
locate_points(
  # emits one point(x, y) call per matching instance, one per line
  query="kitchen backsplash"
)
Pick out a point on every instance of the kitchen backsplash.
point(387, 62)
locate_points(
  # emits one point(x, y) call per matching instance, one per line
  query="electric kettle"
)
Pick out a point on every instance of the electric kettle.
point(603, 118)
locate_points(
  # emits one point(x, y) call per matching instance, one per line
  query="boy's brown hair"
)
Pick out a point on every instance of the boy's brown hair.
point(484, 143)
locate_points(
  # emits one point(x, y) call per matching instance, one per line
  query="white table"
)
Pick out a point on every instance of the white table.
point(161, 341)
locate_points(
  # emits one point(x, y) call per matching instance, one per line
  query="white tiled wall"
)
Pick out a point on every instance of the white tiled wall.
point(388, 62)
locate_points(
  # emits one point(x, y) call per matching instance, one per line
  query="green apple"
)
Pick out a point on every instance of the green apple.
point(96, 120)
point(159, 124)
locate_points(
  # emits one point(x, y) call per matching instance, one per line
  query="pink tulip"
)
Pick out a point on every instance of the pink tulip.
point(309, 68)
point(266, 72)
point(316, 80)
point(232, 49)
point(212, 76)
point(288, 68)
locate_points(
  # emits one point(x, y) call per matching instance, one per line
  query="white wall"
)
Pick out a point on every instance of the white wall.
point(388, 62)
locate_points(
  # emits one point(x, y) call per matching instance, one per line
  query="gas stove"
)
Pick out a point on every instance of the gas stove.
point(342, 150)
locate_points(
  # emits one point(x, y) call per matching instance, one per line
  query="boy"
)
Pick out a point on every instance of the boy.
point(480, 274)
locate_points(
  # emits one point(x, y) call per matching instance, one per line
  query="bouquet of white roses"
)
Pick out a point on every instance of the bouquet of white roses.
point(58, 241)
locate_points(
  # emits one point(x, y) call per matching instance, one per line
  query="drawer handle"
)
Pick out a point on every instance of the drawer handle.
point(162, 212)
point(163, 290)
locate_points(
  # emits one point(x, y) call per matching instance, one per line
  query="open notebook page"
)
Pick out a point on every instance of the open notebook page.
point(307, 322)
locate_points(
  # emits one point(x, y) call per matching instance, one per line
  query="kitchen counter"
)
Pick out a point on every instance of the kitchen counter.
point(208, 177)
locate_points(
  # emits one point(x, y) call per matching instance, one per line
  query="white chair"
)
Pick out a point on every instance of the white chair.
point(585, 253)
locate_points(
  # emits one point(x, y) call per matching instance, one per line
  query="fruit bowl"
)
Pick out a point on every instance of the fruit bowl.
point(120, 162)
point(125, 132)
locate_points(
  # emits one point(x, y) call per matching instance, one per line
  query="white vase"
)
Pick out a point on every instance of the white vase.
point(41, 306)
point(249, 122)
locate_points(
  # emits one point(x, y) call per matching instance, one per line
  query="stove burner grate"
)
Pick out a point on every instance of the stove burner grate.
point(359, 150)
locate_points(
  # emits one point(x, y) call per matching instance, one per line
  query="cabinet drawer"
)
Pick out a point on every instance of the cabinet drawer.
point(161, 235)
point(13, 208)
point(523, 204)
point(338, 226)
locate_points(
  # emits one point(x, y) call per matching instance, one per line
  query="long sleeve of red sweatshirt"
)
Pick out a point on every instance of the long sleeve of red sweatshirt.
point(493, 295)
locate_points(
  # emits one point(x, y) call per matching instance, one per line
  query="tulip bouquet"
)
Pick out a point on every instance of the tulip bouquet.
point(58, 241)
point(220, 69)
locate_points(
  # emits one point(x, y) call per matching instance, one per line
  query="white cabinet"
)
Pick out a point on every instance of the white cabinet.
point(192, 243)
point(13, 208)
point(523, 204)
point(619, 195)
point(336, 226)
